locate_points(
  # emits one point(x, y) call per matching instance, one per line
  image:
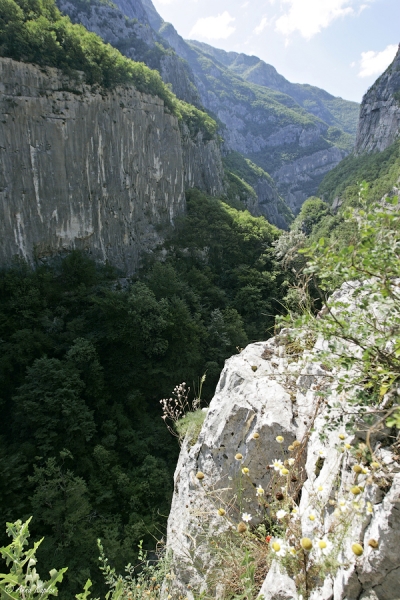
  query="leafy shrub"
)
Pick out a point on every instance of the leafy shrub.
point(191, 424)
point(361, 329)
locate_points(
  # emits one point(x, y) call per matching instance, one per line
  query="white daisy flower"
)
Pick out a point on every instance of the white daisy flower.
point(291, 461)
point(281, 514)
point(323, 545)
point(246, 517)
point(370, 509)
point(312, 517)
point(277, 465)
point(292, 551)
point(278, 547)
point(322, 453)
point(343, 505)
point(359, 505)
point(260, 491)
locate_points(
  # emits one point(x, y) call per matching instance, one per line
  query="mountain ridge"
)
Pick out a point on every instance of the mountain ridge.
point(289, 135)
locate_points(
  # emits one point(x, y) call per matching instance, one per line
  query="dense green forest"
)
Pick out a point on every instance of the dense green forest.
point(86, 355)
point(35, 31)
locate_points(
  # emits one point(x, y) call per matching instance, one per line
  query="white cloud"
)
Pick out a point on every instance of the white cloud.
point(374, 63)
point(260, 28)
point(309, 17)
point(214, 28)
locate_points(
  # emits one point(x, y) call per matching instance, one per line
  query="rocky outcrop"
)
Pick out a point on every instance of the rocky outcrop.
point(379, 124)
point(246, 401)
point(269, 390)
point(270, 204)
point(85, 168)
point(306, 173)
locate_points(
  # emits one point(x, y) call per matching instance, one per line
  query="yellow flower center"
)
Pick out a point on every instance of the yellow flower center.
point(322, 544)
point(276, 546)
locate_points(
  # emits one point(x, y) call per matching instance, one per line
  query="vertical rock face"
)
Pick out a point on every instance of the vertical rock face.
point(82, 168)
point(379, 124)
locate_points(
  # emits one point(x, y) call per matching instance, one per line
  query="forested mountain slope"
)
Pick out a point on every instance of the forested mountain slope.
point(86, 357)
point(334, 111)
point(270, 127)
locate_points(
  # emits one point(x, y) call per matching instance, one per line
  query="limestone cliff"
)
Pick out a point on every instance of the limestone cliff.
point(268, 400)
point(85, 168)
point(379, 124)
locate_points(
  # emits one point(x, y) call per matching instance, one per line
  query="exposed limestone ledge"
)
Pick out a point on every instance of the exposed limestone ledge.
point(84, 168)
point(265, 390)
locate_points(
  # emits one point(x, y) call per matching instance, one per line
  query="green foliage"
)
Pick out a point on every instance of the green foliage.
point(243, 175)
point(362, 327)
point(84, 363)
point(312, 212)
point(35, 31)
point(23, 581)
point(196, 120)
point(227, 255)
point(380, 170)
point(191, 423)
point(245, 169)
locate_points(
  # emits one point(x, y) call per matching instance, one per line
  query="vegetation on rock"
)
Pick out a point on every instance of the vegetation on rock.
point(35, 31)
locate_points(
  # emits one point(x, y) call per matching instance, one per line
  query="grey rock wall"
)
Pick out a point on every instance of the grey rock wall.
point(82, 168)
point(306, 173)
point(268, 391)
point(379, 124)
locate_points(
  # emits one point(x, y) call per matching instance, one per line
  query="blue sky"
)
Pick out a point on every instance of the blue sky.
point(341, 46)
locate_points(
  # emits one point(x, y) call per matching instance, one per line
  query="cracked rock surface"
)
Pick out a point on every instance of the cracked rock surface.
point(270, 390)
